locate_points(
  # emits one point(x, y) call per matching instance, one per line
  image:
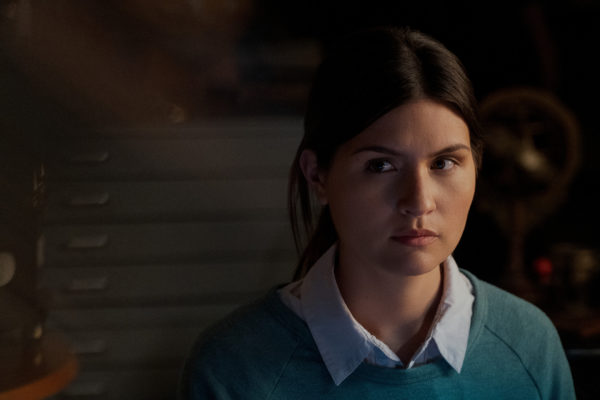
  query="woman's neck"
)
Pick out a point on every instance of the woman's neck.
point(398, 309)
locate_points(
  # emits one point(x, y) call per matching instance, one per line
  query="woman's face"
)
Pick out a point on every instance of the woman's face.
point(400, 191)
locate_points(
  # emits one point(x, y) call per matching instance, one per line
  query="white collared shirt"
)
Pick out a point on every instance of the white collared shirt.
point(344, 343)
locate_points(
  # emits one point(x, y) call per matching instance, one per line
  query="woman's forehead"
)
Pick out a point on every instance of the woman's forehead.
point(422, 124)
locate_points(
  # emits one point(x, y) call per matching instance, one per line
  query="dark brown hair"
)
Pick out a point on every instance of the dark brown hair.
point(364, 76)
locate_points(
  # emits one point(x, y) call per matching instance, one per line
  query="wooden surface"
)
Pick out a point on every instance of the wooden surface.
point(24, 379)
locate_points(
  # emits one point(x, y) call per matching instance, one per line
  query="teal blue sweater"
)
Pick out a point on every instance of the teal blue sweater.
point(264, 351)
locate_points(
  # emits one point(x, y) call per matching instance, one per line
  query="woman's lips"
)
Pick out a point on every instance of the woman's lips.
point(416, 237)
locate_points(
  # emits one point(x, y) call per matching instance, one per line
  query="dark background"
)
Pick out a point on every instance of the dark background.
point(69, 66)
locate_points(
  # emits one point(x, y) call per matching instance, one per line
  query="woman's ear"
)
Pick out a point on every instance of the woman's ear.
point(313, 175)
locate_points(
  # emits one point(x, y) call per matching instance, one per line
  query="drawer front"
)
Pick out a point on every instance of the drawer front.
point(143, 284)
point(126, 317)
point(158, 347)
point(152, 159)
point(119, 384)
point(78, 245)
point(160, 201)
point(259, 127)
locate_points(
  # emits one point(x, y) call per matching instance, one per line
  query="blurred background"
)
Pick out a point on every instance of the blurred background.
point(144, 153)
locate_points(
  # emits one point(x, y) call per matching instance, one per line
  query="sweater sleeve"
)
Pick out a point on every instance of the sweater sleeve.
point(241, 357)
point(550, 368)
point(225, 362)
point(534, 339)
point(201, 381)
point(198, 384)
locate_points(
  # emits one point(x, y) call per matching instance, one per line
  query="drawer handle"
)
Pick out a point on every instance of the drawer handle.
point(89, 347)
point(89, 200)
point(94, 157)
point(87, 242)
point(88, 284)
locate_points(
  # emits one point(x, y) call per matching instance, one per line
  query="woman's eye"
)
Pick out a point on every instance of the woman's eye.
point(379, 166)
point(443, 164)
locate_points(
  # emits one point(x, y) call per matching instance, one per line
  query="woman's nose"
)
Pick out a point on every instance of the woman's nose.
point(417, 194)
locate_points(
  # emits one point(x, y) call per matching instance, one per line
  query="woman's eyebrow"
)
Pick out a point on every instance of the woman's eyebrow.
point(377, 149)
point(387, 150)
point(451, 149)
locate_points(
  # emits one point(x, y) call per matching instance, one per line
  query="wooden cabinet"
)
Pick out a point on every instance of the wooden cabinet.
point(150, 235)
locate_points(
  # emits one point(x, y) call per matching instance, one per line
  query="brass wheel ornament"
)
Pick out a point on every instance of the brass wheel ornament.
point(532, 151)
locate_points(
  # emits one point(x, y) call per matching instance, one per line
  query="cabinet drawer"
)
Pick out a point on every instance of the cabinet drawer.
point(198, 316)
point(160, 201)
point(119, 384)
point(162, 159)
point(72, 245)
point(160, 283)
point(259, 127)
point(154, 347)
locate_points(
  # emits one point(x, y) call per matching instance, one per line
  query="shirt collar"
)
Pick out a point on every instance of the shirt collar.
point(335, 330)
point(332, 326)
point(451, 332)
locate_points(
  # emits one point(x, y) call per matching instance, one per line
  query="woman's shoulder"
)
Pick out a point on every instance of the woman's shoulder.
point(256, 326)
point(504, 311)
point(253, 343)
point(519, 332)
point(513, 323)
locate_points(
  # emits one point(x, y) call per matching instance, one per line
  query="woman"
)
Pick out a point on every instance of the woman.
point(379, 308)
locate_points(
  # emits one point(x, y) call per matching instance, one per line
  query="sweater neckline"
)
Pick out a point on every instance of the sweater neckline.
point(298, 328)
